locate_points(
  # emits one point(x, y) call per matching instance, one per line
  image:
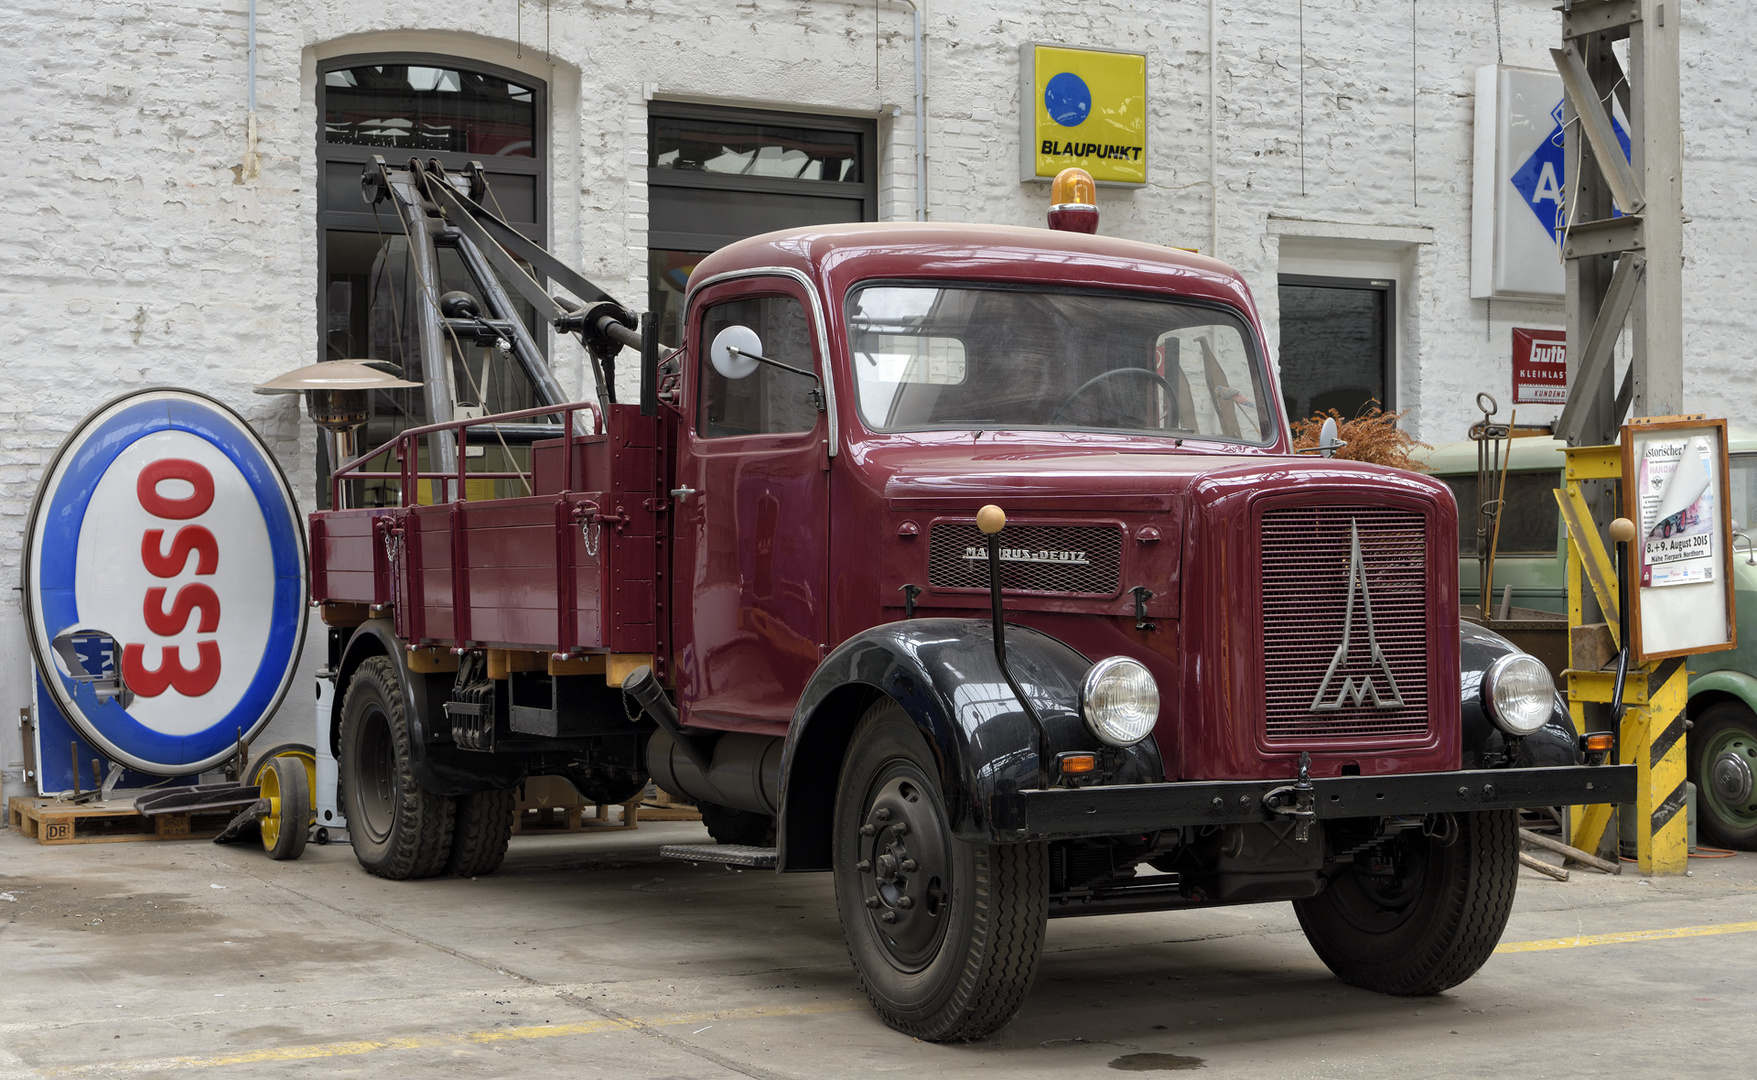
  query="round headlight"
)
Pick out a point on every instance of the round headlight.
point(1519, 694)
point(1120, 701)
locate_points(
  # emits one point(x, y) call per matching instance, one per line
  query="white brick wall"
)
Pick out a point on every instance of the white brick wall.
point(131, 255)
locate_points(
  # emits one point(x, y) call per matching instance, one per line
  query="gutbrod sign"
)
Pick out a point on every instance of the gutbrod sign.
point(165, 542)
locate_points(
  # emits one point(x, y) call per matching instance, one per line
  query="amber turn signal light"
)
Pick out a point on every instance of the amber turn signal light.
point(1598, 742)
point(1077, 764)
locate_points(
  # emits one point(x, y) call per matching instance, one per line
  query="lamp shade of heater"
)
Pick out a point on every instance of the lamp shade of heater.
point(337, 391)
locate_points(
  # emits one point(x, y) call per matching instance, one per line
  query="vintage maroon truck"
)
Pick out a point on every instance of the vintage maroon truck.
point(1191, 668)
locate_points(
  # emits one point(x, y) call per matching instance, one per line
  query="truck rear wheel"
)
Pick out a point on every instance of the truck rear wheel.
point(399, 830)
point(480, 833)
point(1427, 915)
point(944, 934)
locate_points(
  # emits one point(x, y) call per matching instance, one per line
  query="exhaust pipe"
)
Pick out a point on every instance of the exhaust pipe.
point(745, 773)
point(739, 770)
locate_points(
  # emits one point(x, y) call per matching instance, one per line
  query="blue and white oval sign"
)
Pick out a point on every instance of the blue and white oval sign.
point(165, 524)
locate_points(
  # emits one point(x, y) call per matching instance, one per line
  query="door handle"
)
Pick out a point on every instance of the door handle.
point(682, 493)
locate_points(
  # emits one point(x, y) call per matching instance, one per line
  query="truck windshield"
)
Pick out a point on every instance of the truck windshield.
point(976, 357)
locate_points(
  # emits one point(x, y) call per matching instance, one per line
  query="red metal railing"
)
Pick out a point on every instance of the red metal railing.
point(409, 475)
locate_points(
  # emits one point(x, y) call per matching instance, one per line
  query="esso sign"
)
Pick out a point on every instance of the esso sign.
point(164, 523)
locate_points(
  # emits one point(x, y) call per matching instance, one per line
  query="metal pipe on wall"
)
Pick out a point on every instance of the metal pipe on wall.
point(920, 115)
point(1213, 144)
point(250, 60)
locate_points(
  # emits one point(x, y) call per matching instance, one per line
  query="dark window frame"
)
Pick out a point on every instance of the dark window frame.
point(865, 190)
point(363, 221)
point(1387, 286)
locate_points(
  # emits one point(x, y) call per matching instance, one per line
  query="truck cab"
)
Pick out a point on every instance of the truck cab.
point(972, 564)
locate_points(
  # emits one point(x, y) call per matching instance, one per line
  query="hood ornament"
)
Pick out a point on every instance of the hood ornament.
point(1349, 691)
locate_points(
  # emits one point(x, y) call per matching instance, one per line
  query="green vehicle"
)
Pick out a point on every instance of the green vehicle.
point(1531, 555)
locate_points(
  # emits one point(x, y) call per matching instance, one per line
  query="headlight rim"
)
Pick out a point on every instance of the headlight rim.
point(1493, 676)
point(1094, 675)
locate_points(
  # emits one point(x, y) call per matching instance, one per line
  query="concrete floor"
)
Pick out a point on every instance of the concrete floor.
point(588, 956)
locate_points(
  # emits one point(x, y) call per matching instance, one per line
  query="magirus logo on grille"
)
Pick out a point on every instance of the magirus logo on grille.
point(1350, 691)
point(1030, 555)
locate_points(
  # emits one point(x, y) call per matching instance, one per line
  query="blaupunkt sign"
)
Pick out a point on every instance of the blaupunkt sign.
point(1084, 107)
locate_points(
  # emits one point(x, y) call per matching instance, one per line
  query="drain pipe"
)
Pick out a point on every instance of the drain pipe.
point(920, 116)
point(252, 166)
point(1213, 145)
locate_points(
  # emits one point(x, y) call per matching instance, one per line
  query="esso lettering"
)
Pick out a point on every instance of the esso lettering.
point(194, 600)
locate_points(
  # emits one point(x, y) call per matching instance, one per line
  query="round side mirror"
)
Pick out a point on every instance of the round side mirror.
point(733, 365)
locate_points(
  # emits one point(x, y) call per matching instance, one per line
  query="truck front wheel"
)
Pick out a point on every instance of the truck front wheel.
point(1722, 759)
point(1421, 913)
point(399, 829)
point(944, 934)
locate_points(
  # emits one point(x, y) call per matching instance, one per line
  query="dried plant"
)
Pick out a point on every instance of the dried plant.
point(1372, 436)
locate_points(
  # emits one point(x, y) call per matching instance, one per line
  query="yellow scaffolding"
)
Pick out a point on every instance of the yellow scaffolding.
point(1654, 694)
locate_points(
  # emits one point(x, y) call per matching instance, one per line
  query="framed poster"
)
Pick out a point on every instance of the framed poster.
point(1680, 563)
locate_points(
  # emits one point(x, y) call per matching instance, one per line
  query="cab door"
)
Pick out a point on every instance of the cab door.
point(751, 554)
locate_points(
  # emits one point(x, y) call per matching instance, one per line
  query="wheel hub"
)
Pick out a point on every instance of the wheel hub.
point(905, 870)
point(1731, 776)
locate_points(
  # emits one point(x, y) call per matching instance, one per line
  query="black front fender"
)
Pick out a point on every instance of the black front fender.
point(944, 674)
point(1487, 746)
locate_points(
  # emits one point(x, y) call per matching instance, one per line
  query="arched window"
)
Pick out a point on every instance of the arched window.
point(399, 106)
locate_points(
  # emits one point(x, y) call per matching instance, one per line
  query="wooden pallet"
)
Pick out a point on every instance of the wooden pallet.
point(549, 804)
point(52, 821)
point(572, 817)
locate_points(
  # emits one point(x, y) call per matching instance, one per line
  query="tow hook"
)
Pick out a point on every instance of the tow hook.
point(1296, 800)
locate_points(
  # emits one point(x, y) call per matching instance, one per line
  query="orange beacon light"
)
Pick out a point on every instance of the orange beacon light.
point(1073, 201)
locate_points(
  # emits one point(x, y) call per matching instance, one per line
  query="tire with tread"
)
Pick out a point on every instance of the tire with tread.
point(944, 934)
point(398, 829)
point(1725, 730)
point(1432, 923)
point(480, 833)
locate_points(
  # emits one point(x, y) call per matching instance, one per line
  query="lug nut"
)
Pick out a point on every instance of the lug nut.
point(887, 916)
point(867, 830)
point(902, 828)
point(872, 901)
point(908, 866)
point(863, 866)
point(883, 813)
point(905, 902)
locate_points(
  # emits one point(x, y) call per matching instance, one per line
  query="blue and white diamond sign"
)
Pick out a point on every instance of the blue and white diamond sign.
point(1539, 180)
point(1521, 168)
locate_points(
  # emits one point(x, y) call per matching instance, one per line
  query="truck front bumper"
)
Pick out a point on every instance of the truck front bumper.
point(1133, 809)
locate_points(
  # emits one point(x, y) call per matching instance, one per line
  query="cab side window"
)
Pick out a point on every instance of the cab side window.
point(769, 400)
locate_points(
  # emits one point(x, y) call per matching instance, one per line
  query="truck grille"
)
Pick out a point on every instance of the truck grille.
point(1307, 555)
point(1082, 559)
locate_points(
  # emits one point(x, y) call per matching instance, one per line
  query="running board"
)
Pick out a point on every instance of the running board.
point(761, 858)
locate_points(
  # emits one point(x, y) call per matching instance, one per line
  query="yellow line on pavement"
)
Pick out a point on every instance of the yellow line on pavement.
point(424, 1042)
point(1582, 940)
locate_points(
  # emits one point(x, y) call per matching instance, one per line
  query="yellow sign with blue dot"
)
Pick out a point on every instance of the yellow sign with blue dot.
point(1084, 107)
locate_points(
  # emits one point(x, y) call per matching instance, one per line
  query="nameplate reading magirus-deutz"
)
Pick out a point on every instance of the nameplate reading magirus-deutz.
point(1033, 555)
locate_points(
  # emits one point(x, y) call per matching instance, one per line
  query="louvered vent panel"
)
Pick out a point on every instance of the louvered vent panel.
point(1307, 568)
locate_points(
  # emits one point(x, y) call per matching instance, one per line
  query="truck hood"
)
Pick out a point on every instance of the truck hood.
point(1109, 478)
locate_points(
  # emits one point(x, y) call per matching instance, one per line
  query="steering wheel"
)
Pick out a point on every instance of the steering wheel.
point(1061, 412)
